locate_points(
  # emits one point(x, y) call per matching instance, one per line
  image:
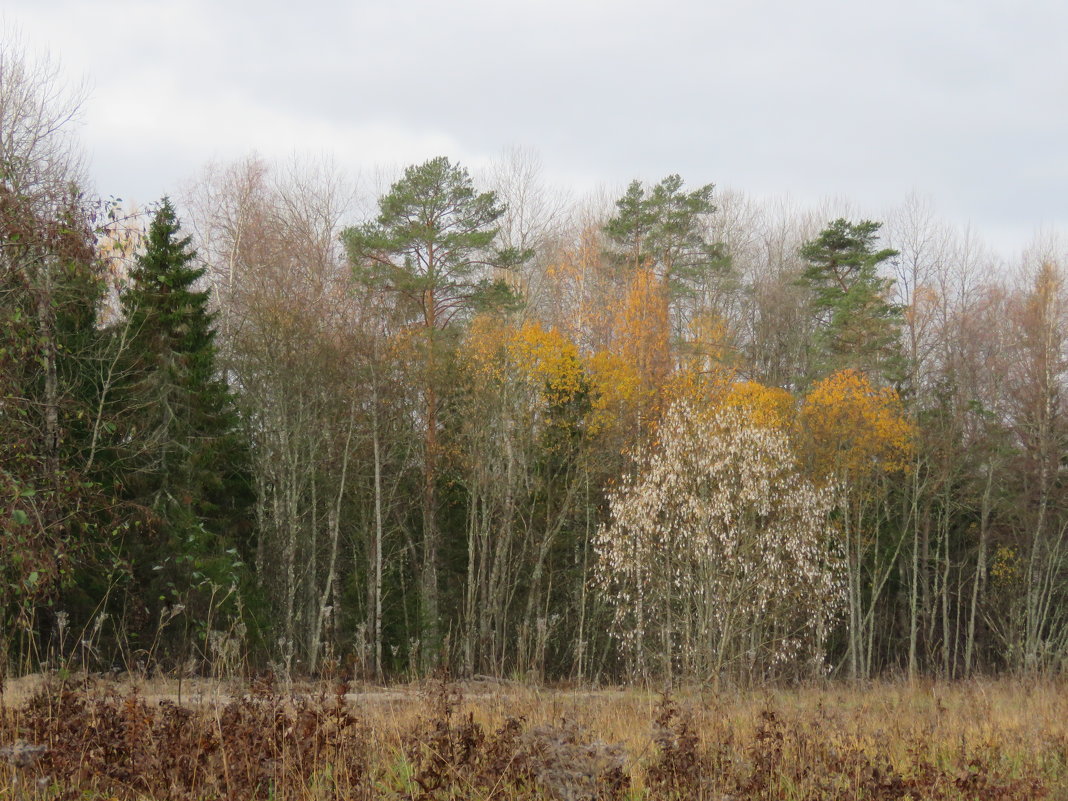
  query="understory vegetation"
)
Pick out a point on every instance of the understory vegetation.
point(971, 740)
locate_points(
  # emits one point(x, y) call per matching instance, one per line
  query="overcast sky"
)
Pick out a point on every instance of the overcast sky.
point(964, 102)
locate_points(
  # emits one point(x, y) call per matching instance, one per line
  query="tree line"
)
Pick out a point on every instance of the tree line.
point(671, 435)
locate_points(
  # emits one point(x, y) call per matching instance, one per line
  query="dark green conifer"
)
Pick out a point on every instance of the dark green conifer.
point(858, 325)
point(180, 453)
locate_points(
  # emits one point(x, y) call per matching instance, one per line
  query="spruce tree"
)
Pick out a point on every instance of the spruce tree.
point(180, 452)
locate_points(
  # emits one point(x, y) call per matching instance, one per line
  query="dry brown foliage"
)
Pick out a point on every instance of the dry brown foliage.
point(994, 741)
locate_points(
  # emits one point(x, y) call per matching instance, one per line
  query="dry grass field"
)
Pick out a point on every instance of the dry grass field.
point(485, 740)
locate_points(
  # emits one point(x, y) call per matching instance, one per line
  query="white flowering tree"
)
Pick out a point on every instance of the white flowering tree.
point(719, 553)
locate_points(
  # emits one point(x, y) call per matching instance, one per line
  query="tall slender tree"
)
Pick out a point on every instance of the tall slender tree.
point(432, 247)
point(664, 229)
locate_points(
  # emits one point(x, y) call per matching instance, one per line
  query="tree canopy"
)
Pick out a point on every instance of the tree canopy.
point(685, 436)
point(858, 325)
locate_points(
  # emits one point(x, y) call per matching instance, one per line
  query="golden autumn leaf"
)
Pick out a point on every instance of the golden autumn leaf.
point(853, 427)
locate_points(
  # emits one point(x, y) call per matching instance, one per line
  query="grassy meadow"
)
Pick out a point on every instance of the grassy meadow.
point(486, 740)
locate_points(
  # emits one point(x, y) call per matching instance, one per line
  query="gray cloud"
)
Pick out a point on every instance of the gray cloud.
point(962, 101)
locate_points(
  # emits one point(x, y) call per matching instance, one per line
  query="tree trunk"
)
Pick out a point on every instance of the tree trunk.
point(334, 526)
point(377, 572)
point(46, 323)
point(980, 571)
point(429, 629)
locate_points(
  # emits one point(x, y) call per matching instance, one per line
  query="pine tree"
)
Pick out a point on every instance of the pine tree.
point(432, 247)
point(858, 326)
point(663, 229)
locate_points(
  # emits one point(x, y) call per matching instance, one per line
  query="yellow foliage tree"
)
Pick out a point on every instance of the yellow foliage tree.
point(629, 377)
point(616, 390)
point(720, 388)
point(542, 363)
point(485, 346)
point(761, 406)
point(643, 330)
point(853, 427)
point(856, 432)
point(546, 356)
point(526, 399)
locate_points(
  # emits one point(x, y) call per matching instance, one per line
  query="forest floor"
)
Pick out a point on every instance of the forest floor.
point(96, 739)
